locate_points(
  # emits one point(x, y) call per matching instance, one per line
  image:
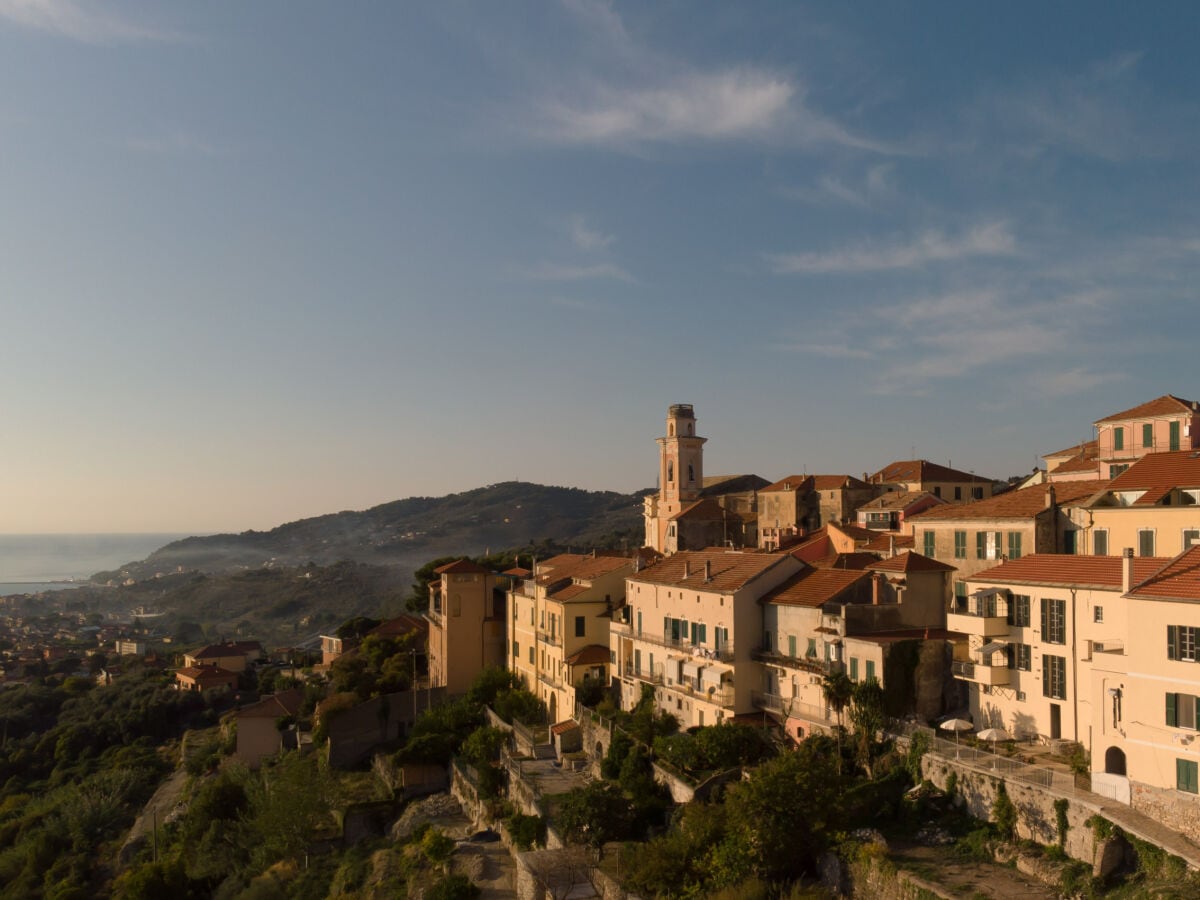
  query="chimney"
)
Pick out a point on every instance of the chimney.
point(707, 571)
point(687, 570)
point(637, 563)
point(876, 578)
point(891, 545)
point(1127, 570)
point(1050, 498)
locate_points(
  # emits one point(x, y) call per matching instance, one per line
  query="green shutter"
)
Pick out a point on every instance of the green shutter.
point(981, 545)
point(1118, 438)
point(1172, 642)
point(1174, 438)
point(1045, 607)
point(792, 646)
point(930, 543)
point(1172, 717)
point(1147, 435)
point(870, 670)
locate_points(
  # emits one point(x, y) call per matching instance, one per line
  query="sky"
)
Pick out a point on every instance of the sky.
point(268, 260)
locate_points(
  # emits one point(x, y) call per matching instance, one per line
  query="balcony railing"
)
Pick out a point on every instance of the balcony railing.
point(979, 673)
point(648, 677)
point(789, 706)
point(812, 664)
point(693, 687)
point(548, 680)
point(554, 640)
point(980, 621)
point(724, 653)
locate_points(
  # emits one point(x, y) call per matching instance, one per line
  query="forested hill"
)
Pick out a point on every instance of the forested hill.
point(410, 532)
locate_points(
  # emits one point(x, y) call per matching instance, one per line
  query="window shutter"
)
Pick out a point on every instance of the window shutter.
point(1045, 618)
point(1172, 718)
point(1181, 775)
point(1172, 642)
point(980, 545)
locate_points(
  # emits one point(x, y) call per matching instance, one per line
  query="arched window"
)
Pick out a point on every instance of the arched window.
point(670, 470)
point(670, 429)
point(689, 427)
point(691, 473)
point(1114, 761)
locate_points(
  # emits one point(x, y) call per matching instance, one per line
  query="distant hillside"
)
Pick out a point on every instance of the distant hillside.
point(407, 533)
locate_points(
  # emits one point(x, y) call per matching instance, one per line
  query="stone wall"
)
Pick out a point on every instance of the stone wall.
point(355, 733)
point(1182, 810)
point(1036, 819)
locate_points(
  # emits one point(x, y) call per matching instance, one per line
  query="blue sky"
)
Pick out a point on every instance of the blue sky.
point(268, 260)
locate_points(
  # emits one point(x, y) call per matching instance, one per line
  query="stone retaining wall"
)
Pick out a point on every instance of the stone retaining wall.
point(1181, 810)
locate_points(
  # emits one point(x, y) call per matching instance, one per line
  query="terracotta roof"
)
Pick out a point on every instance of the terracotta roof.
point(813, 587)
point(1166, 405)
point(517, 572)
point(837, 482)
point(401, 624)
point(1157, 473)
point(233, 648)
point(1102, 572)
point(791, 483)
point(585, 568)
point(860, 535)
point(1022, 504)
point(882, 542)
point(847, 561)
point(910, 562)
point(923, 470)
point(1084, 449)
point(1178, 580)
point(275, 706)
point(570, 591)
point(729, 570)
point(564, 726)
point(591, 655)
point(461, 567)
point(899, 500)
point(1077, 464)
point(710, 510)
point(206, 673)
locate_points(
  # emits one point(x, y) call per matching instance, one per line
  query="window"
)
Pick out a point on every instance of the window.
point(670, 471)
point(1018, 611)
point(870, 670)
point(767, 640)
point(811, 652)
point(854, 668)
point(1191, 537)
point(1054, 621)
point(1118, 438)
point(1181, 642)
point(699, 634)
point(580, 626)
point(987, 544)
point(960, 545)
point(937, 490)
point(1054, 677)
point(1020, 656)
point(516, 650)
point(1014, 545)
point(531, 656)
point(1069, 542)
point(1100, 542)
point(1098, 614)
point(1181, 711)
point(1145, 542)
point(639, 631)
point(958, 493)
point(1185, 776)
point(691, 474)
point(792, 646)
point(976, 493)
point(981, 545)
point(1173, 439)
point(1147, 435)
point(930, 543)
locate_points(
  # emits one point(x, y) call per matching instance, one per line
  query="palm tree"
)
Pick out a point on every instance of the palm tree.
point(838, 690)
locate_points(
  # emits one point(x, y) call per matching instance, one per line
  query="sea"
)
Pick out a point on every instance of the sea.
point(30, 563)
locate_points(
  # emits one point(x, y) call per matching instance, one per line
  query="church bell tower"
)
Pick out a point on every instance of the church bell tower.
point(680, 473)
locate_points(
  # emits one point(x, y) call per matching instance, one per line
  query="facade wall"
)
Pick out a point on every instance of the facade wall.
point(1123, 526)
point(257, 739)
point(838, 506)
point(465, 636)
point(1134, 447)
point(1038, 535)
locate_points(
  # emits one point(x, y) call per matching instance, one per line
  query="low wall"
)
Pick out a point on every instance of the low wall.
point(1036, 819)
point(355, 733)
point(1180, 809)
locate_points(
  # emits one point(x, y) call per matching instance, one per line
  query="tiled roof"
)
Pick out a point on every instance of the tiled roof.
point(206, 673)
point(401, 624)
point(791, 483)
point(274, 706)
point(461, 567)
point(856, 562)
point(517, 572)
point(1085, 448)
point(585, 568)
point(898, 500)
point(837, 482)
point(910, 562)
point(591, 655)
point(1022, 504)
point(569, 592)
point(883, 541)
point(1157, 473)
point(729, 570)
point(1064, 569)
point(1077, 464)
point(1166, 405)
point(923, 470)
point(813, 587)
point(233, 648)
point(860, 535)
point(1178, 580)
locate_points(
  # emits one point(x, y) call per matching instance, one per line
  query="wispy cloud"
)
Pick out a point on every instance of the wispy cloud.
point(584, 236)
point(548, 271)
point(1074, 381)
point(76, 21)
point(868, 191)
point(991, 239)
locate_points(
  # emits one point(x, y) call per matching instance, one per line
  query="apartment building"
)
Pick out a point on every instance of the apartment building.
point(466, 624)
point(944, 482)
point(890, 511)
point(559, 625)
point(1163, 425)
point(690, 622)
point(787, 509)
point(975, 536)
point(1153, 506)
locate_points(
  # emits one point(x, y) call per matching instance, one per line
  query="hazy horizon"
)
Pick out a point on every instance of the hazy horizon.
point(268, 261)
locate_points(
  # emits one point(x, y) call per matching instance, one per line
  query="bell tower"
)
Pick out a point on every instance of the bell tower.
point(680, 473)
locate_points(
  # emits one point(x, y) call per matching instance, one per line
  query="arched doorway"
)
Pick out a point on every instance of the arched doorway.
point(553, 708)
point(1114, 761)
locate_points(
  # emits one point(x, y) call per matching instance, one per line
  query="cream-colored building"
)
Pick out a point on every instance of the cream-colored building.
point(559, 625)
point(1154, 507)
point(690, 622)
point(466, 624)
point(945, 483)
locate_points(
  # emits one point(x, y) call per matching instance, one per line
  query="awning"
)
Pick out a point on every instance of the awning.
point(691, 669)
point(990, 592)
point(710, 676)
point(992, 647)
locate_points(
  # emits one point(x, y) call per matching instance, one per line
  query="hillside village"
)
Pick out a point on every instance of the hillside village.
point(1060, 612)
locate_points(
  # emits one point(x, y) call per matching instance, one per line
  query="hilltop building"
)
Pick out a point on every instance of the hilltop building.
point(466, 624)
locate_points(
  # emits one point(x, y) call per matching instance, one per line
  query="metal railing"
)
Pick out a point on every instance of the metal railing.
point(808, 663)
point(648, 677)
point(721, 696)
point(724, 653)
point(789, 706)
point(554, 640)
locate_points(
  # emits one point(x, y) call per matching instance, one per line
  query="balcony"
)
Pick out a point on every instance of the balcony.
point(647, 677)
point(981, 623)
point(548, 680)
point(554, 640)
point(724, 653)
point(812, 664)
point(978, 673)
point(721, 696)
point(792, 708)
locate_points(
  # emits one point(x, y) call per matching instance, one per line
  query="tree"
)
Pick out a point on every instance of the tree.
point(867, 715)
point(1004, 813)
point(839, 691)
point(596, 814)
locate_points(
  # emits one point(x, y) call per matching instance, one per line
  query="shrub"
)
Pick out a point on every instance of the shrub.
point(1060, 820)
point(526, 831)
point(1004, 813)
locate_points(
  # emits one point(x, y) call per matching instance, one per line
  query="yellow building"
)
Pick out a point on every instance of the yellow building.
point(466, 625)
point(689, 623)
point(558, 630)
